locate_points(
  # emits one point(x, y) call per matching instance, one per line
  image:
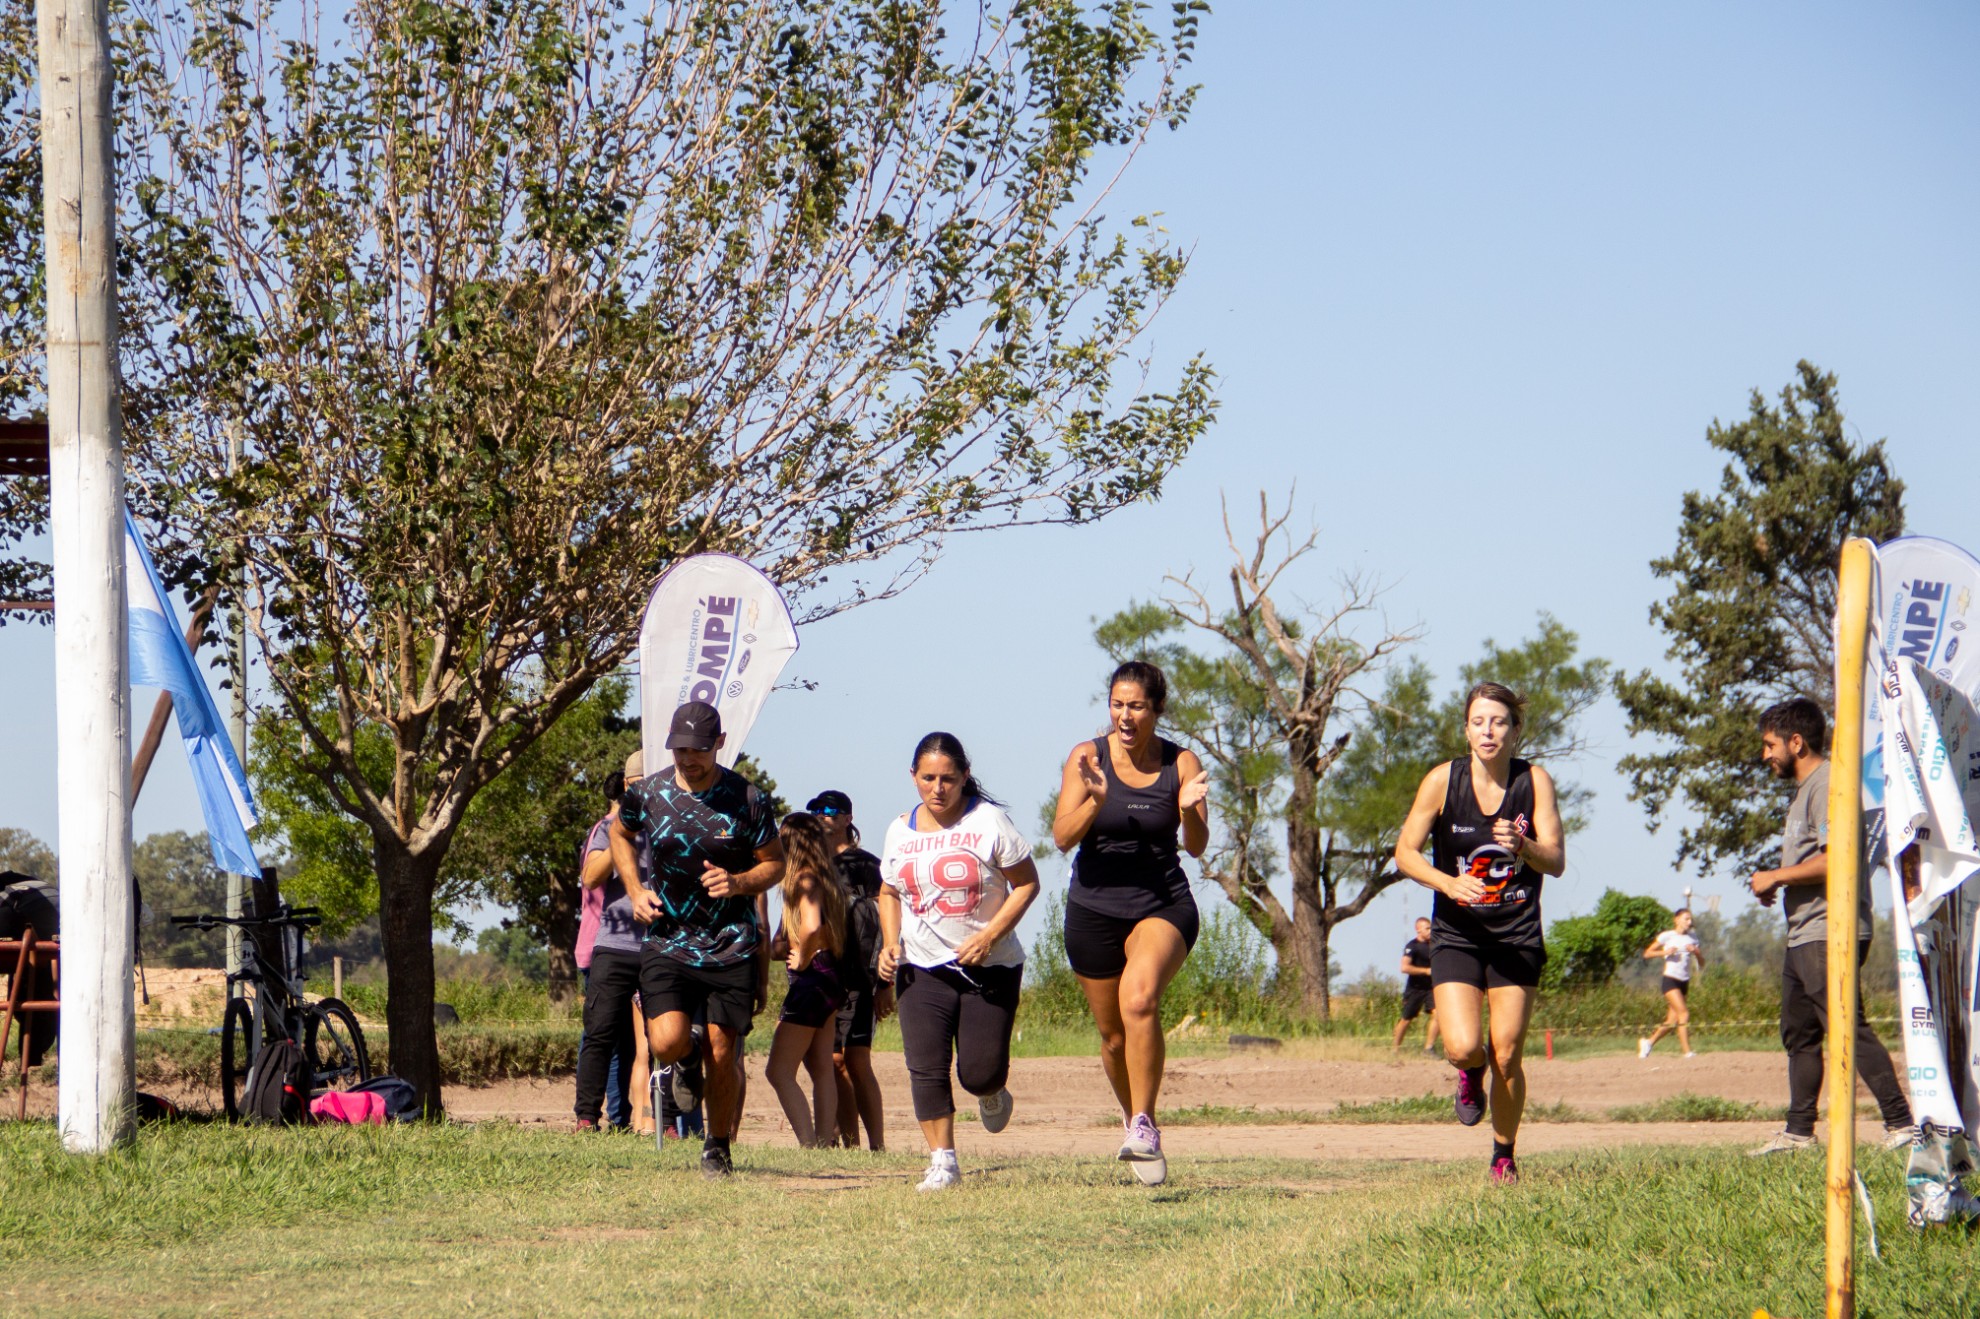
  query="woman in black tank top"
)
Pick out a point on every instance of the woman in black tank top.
point(1496, 831)
point(1130, 918)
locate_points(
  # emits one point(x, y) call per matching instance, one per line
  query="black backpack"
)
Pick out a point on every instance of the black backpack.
point(401, 1100)
point(278, 1086)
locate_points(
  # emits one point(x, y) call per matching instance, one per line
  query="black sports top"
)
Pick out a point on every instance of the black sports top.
point(1128, 864)
point(1509, 912)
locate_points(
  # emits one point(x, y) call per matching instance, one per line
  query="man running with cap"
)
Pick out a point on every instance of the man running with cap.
point(713, 843)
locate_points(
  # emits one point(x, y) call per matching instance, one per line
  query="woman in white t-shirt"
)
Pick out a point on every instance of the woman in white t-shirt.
point(956, 876)
point(1679, 949)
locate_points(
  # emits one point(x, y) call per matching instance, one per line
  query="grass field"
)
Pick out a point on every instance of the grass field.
point(205, 1219)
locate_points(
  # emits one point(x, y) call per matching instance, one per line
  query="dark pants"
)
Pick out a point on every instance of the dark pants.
point(1805, 1028)
point(968, 1010)
point(605, 1053)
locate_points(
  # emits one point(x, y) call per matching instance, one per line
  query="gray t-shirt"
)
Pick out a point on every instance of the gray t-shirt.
point(1807, 834)
point(618, 932)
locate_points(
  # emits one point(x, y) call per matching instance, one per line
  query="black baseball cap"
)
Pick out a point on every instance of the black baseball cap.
point(696, 727)
point(830, 800)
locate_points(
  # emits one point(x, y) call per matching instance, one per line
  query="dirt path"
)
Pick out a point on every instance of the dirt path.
point(1065, 1107)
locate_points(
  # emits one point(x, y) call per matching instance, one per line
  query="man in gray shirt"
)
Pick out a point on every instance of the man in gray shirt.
point(1793, 737)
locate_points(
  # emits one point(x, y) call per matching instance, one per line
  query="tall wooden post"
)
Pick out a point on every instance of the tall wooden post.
point(1845, 874)
point(86, 485)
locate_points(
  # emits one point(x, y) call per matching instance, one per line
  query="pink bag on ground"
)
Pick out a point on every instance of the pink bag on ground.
point(355, 1108)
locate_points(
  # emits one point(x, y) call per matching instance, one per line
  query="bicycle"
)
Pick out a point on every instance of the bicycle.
point(274, 1007)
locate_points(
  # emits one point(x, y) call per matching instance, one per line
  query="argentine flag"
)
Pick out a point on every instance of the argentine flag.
point(160, 658)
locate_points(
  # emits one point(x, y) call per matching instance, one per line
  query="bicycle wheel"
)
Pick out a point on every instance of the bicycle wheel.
point(334, 1045)
point(238, 1046)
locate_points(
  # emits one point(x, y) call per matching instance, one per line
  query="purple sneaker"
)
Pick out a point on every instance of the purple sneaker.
point(1470, 1095)
point(1504, 1171)
point(1142, 1151)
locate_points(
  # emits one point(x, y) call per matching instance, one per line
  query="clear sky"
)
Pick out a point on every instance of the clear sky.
point(1476, 280)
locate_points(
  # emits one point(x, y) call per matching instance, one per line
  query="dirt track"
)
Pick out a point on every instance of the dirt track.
point(1064, 1105)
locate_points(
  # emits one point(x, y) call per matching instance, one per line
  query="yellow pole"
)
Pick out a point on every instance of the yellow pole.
point(1845, 863)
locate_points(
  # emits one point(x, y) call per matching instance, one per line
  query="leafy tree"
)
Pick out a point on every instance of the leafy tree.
point(516, 951)
point(1289, 793)
point(511, 304)
point(1588, 950)
point(176, 877)
point(22, 852)
point(1751, 610)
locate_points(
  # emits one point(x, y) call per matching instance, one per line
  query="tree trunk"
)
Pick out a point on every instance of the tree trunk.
point(1311, 934)
point(405, 923)
point(560, 923)
point(1304, 860)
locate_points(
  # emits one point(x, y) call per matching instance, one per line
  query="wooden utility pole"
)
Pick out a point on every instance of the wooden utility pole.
point(1853, 602)
point(86, 525)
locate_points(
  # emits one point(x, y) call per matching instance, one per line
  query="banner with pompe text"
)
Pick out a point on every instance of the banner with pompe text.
point(715, 630)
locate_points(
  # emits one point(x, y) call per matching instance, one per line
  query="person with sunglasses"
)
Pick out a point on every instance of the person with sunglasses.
point(957, 878)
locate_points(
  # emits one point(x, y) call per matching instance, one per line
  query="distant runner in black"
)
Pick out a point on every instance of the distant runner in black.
point(1497, 832)
point(1130, 917)
point(1416, 986)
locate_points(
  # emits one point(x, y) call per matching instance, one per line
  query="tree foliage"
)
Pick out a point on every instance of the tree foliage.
point(1314, 767)
point(1588, 950)
point(508, 304)
point(23, 853)
point(1751, 612)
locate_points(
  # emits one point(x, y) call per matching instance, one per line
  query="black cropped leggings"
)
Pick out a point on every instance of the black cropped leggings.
point(967, 1010)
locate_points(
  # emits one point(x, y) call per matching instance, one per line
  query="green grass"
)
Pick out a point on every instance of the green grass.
point(1688, 1107)
point(499, 1220)
point(1435, 1107)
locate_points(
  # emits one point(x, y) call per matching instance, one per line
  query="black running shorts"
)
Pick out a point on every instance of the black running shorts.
point(856, 1022)
point(1487, 968)
point(726, 993)
point(1096, 944)
point(1414, 1001)
point(1681, 986)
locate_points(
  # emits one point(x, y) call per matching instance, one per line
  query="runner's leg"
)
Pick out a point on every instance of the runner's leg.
point(866, 1096)
point(929, 1010)
point(1460, 1009)
point(1512, 1012)
point(1155, 953)
point(824, 1085)
point(723, 1100)
point(1103, 999)
point(983, 1029)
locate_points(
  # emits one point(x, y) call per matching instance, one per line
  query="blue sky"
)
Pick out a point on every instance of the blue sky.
point(1476, 280)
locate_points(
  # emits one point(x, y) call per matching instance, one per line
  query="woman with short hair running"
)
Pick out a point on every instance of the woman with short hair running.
point(815, 933)
point(1130, 916)
point(1678, 946)
point(1496, 831)
point(957, 877)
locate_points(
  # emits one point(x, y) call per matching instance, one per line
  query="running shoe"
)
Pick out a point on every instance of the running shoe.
point(587, 1124)
point(715, 1163)
point(1470, 1095)
point(1692, 1054)
point(1784, 1142)
point(1900, 1138)
point(995, 1110)
point(1642, 1046)
point(1142, 1151)
point(942, 1172)
point(1504, 1171)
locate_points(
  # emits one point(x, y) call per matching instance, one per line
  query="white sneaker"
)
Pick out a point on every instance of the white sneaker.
point(995, 1110)
point(1142, 1151)
point(1692, 1054)
point(1900, 1138)
point(942, 1172)
point(1784, 1142)
point(1642, 1047)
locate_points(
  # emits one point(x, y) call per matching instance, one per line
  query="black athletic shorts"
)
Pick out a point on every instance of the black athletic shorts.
point(727, 994)
point(1414, 1001)
point(1487, 968)
point(813, 999)
point(855, 1022)
point(1096, 944)
point(1681, 986)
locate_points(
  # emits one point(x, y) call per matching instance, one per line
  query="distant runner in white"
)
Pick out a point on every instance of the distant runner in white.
point(1679, 949)
point(956, 877)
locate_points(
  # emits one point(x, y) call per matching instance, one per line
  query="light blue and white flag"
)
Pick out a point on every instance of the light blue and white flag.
point(161, 658)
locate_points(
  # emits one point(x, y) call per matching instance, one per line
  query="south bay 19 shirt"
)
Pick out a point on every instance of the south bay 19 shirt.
point(951, 883)
point(724, 823)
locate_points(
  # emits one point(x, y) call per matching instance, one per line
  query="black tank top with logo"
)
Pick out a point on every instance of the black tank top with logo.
point(1129, 865)
point(1509, 912)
